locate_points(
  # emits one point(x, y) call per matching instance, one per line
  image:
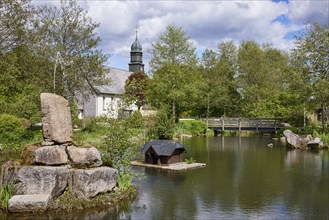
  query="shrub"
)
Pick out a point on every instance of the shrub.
point(160, 126)
point(193, 127)
point(12, 129)
point(135, 121)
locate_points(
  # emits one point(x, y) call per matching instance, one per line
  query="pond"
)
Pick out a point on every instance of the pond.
point(243, 179)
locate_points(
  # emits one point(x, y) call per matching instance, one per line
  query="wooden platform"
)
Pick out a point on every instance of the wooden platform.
point(175, 167)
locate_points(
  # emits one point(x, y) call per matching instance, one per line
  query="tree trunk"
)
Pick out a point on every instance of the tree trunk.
point(174, 111)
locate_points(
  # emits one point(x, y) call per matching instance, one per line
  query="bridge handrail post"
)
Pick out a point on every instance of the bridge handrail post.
point(223, 126)
point(239, 122)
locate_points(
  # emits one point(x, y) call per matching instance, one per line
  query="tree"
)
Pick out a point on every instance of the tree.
point(173, 47)
point(173, 66)
point(15, 15)
point(312, 52)
point(135, 89)
point(260, 77)
point(66, 35)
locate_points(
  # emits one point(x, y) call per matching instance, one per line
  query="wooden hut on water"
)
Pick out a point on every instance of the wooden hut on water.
point(163, 152)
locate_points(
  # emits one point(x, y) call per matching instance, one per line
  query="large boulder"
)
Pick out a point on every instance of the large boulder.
point(29, 203)
point(48, 155)
point(41, 180)
point(89, 183)
point(315, 143)
point(82, 157)
point(56, 118)
point(295, 140)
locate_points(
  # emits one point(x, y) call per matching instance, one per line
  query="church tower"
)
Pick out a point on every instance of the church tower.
point(136, 57)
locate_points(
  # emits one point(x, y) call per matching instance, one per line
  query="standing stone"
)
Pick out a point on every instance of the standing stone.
point(56, 118)
point(41, 180)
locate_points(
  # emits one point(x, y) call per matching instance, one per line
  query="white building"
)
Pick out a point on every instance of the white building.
point(109, 99)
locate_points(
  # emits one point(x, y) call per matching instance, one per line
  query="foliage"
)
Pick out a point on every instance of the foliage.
point(118, 151)
point(172, 47)
point(193, 127)
point(312, 53)
point(66, 36)
point(15, 15)
point(135, 121)
point(6, 192)
point(12, 128)
point(174, 77)
point(135, 89)
point(190, 161)
point(160, 126)
point(124, 180)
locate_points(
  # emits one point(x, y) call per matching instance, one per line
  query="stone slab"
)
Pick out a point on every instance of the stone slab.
point(29, 203)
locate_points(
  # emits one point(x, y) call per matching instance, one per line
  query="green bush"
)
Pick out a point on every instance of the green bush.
point(135, 121)
point(193, 127)
point(12, 129)
point(160, 126)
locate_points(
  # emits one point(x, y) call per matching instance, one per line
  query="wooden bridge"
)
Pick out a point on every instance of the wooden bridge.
point(244, 124)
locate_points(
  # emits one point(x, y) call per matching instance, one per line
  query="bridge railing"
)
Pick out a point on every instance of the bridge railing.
point(244, 123)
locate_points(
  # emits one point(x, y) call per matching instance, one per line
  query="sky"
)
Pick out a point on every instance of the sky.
point(206, 23)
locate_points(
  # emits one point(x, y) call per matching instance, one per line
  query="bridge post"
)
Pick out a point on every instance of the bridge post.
point(239, 124)
point(257, 124)
point(223, 125)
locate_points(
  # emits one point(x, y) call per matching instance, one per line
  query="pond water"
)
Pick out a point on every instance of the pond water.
point(243, 179)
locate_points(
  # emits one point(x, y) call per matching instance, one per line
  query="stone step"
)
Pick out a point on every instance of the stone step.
point(29, 203)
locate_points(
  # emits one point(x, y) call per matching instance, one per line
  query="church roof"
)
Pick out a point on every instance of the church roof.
point(118, 79)
point(136, 46)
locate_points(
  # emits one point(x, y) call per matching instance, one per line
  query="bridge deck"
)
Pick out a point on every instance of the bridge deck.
point(243, 124)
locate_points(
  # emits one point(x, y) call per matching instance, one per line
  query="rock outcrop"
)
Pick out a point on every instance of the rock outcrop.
point(49, 168)
point(300, 142)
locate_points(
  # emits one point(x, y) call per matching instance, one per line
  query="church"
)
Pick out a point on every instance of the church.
point(109, 99)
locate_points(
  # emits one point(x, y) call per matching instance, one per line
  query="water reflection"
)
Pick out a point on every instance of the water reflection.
point(243, 179)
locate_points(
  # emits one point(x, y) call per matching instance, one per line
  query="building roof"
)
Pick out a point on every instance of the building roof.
point(163, 147)
point(136, 46)
point(118, 79)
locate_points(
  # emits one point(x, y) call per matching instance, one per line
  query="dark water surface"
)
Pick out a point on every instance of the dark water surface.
point(243, 179)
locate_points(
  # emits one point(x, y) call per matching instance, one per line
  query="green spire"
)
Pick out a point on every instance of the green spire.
point(136, 46)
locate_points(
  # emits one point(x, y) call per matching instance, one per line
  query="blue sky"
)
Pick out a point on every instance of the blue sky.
point(206, 23)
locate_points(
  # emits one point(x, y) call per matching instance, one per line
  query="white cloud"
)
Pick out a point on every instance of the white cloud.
point(309, 11)
point(206, 22)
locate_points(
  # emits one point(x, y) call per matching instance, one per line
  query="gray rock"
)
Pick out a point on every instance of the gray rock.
point(295, 140)
point(41, 180)
point(48, 155)
point(89, 183)
point(29, 203)
point(84, 157)
point(47, 143)
point(56, 118)
point(315, 143)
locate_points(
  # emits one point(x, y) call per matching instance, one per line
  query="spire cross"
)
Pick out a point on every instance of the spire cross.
point(136, 30)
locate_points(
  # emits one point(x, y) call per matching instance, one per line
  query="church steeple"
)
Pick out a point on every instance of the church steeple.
point(136, 56)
